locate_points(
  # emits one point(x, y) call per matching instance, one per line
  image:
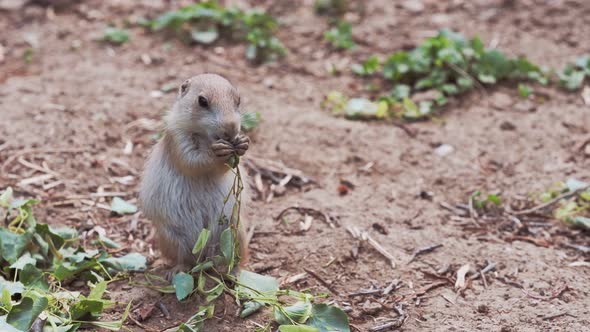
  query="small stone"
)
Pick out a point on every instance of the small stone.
point(414, 6)
point(525, 106)
point(12, 4)
point(156, 94)
point(483, 309)
point(501, 100)
point(506, 125)
point(444, 149)
point(371, 308)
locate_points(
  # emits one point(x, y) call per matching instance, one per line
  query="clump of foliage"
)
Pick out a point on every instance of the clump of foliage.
point(572, 210)
point(340, 35)
point(115, 36)
point(573, 76)
point(37, 258)
point(293, 311)
point(250, 121)
point(331, 7)
point(445, 65)
point(205, 22)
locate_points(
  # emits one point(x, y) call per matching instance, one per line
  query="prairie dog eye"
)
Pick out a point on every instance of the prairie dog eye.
point(203, 102)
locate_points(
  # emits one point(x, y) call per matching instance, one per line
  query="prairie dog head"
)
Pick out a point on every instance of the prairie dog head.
point(207, 106)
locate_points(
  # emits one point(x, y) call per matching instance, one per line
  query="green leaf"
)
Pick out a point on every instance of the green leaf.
point(361, 108)
point(524, 90)
point(130, 262)
point(250, 120)
point(205, 36)
point(572, 81)
point(6, 198)
point(183, 284)
point(298, 313)
point(574, 184)
point(49, 234)
point(297, 328)
point(120, 206)
point(115, 35)
point(400, 91)
point(98, 291)
point(226, 241)
point(340, 36)
point(23, 315)
point(581, 222)
point(12, 245)
point(33, 278)
point(201, 241)
point(250, 307)
point(566, 211)
point(23, 261)
point(252, 285)
point(87, 309)
point(5, 327)
point(107, 242)
point(13, 287)
point(215, 292)
point(494, 199)
point(328, 318)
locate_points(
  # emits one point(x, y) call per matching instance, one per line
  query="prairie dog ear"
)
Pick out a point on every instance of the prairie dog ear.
point(184, 88)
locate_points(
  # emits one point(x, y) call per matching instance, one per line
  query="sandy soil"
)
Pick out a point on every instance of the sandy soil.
point(74, 109)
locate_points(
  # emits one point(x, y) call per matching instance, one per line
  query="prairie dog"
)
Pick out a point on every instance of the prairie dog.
point(186, 179)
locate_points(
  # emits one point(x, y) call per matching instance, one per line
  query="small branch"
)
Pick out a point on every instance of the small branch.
point(424, 250)
point(322, 281)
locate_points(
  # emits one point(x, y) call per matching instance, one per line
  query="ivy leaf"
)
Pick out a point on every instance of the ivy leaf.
point(130, 262)
point(87, 309)
point(6, 198)
point(16, 287)
point(12, 245)
point(201, 241)
point(215, 292)
point(205, 36)
point(183, 284)
point(5, 327)
point(120, 206)
point(226, 241)
point(582, 222)
point(574, 184)
point(23, 261)
point(23, 315)
point(255, 287)
point(298, 313)
point(250, 120)
point(115, 35)
point(328, 318)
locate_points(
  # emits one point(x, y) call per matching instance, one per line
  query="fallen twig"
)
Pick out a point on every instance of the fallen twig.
point(423, 250)
point(356, 233)
point(396, 324)
point(322, 281)
point(307, 211)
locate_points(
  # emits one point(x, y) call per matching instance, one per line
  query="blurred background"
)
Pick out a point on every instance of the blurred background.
point(422, 123)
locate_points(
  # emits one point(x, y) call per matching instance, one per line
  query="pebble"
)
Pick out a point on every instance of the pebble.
point(444, 149)
point(413, 6)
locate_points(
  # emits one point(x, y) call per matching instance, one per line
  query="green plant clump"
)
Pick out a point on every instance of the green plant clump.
point(205, 22)
point(573, 210)
point(447, 65)
point(340, 35)
point(115, 36)
point(35, 260)
point(573, 76)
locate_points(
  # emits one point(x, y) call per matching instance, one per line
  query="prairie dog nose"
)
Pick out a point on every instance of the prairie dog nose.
point(229, 132)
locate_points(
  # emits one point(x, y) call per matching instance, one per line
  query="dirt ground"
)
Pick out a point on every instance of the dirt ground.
point(78, 102)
